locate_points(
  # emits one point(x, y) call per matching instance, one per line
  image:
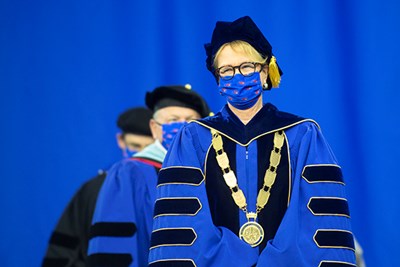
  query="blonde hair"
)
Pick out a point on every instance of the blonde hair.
point(241, 47)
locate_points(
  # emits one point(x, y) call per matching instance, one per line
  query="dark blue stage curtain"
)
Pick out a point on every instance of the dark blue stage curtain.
point(68, 68)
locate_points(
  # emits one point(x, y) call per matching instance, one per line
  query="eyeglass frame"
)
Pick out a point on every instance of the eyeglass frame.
point(238, 67)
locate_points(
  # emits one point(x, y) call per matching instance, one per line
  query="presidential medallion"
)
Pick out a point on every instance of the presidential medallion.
point(252, 233)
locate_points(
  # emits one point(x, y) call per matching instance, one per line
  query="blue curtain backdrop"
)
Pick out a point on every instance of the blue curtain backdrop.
point(68, 68)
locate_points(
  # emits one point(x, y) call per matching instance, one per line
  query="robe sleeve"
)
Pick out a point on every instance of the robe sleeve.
point(69, 241)
point(315, 230)
point(121, 226)
point(183, 230)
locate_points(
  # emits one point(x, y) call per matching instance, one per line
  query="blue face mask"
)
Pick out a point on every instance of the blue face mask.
point(242, 92)
point(169, 132)
point(128, 153)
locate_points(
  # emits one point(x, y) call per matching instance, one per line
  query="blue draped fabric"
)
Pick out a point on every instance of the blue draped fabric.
point(68, 68)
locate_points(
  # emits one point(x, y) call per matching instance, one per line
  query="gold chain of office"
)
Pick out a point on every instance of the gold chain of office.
point(250, 232)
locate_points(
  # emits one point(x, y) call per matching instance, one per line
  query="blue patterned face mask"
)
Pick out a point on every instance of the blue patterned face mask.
point(242, 92)
point(169, 131)
point(128, 153)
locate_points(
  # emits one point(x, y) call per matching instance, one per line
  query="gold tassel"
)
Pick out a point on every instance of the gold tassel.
point(273, 73)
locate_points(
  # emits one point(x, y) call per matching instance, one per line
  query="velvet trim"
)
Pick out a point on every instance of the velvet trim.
point(334, 239)
point(323, 173)
point(329, 206)
point(64, 240)
point(266, 120)
point(172, 263)
point(49, 262)
point(178, 175)
point(177, 206)
point(148, 161)
point(109, 260)
point(173, 237)
point(335, 264)
point(112, 229)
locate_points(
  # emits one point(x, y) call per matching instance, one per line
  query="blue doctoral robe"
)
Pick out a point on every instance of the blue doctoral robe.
point(122, 222)
point(306, 220)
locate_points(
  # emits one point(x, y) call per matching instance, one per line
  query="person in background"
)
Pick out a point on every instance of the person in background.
point(69, 241)
point(122, 222)
point(252, 185)
point(135, 132)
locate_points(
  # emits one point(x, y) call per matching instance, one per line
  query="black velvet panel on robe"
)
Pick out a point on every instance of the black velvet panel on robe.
point(225, 212)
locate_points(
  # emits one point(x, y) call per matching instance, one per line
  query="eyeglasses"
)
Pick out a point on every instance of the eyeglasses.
point(246, 69)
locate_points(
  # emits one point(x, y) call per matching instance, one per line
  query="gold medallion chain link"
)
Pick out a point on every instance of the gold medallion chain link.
point(251, 232)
